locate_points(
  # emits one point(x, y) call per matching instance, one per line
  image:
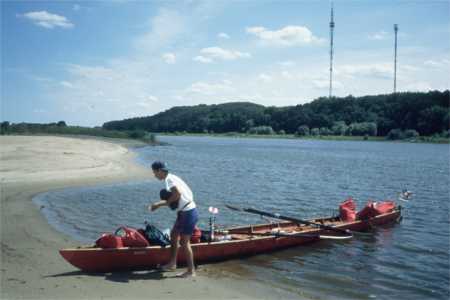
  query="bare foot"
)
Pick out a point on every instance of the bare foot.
point(186, 274)
point(168, 268)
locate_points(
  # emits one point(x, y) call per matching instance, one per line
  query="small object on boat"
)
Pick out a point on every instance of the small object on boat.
point(213, 210)
point(221, 238)
point(212, 221)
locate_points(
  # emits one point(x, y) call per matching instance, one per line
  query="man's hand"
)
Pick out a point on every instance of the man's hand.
point(156, 205)
point(153, 207)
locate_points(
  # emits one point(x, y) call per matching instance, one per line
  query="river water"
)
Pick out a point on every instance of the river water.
point(301, 178)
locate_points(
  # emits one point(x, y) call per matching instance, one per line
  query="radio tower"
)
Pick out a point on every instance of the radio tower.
point(331, 49)
point(395, 58)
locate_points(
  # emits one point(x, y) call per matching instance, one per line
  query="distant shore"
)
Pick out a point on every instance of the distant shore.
point(432, 140)
point(31, 265)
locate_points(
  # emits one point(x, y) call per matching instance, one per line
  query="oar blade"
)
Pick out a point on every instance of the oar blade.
point(233, 207)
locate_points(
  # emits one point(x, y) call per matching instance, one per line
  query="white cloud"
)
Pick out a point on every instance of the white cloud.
point(169, 58)
point(223, 35)
point(148, 101)
point(264, 77)
point(287, 75)
point(152, 98)
point(288, 63)
point(431, 63)
point(378, 70)
point(437, 63)
point(286, 37)
point(420, 86)
point(203, 59)
point(210, 89)
point(67, 84)
point(47, 20)
point(211, 54)
point(165, 27)
point(93, 72)
point(378, 36)
point(322, 83)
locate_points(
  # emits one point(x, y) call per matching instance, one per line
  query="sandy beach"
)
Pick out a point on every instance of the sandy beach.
point(31, 267)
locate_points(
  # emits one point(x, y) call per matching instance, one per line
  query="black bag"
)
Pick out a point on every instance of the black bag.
point(165, 195)
point(155, 236)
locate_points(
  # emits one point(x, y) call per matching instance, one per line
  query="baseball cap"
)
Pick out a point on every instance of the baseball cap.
point(160, 165)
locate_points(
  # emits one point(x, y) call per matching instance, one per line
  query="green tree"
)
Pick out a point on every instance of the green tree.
point(315, 131)
point(325, 131)
point(4, 127)
point(395, 134)
point(261, 130)
point(339, 128)
point(432, 120)
point(410, 134)
point(303, 130)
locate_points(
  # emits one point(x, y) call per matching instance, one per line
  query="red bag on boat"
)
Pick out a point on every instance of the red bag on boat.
point(131, 237)
point(347, 210)
point(196, 235)
point(384, 207)
point(373, 209)
point(109, 240)
point(367, 212)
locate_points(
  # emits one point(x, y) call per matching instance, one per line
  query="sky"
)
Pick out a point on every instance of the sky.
point(89, 62)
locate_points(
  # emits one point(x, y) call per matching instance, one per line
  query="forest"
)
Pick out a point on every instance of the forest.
point(408, 114)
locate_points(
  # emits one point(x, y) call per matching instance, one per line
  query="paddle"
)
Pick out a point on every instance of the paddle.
point(300, 234)
point(296, 220)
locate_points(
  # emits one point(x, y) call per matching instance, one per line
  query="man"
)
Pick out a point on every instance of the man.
point(177, 195)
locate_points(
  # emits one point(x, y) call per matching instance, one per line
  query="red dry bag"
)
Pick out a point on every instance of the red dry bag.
point(384, 207)
point(131, 237)
point(109, 240)
point(367, 212)
point(196, 235)
point(347, 210)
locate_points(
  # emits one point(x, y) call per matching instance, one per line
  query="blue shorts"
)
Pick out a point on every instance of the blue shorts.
point(186, 221)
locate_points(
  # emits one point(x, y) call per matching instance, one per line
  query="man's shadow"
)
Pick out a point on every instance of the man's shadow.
point(119, 276)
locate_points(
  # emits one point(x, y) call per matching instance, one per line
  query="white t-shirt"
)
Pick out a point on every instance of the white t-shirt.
point(186, 195)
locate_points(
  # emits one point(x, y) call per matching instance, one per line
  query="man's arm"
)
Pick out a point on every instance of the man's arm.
point(174, 197)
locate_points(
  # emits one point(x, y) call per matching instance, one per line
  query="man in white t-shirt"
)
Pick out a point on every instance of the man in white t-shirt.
point(177, 196)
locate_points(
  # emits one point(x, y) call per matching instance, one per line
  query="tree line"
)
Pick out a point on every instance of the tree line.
point(391, 115)
point(61, 128)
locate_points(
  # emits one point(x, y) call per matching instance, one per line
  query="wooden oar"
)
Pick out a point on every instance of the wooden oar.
point(296, 220)
point(296, 234)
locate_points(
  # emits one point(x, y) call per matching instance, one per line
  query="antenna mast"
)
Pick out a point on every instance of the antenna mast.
point(395, 58)
point(331, 49)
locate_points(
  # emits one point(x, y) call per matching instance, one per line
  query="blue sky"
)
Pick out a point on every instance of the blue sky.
point(88, 62)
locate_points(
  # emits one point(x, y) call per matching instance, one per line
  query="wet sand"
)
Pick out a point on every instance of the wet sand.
point(31, 267)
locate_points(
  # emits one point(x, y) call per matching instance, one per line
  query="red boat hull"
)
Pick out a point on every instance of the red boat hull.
point(244, 243)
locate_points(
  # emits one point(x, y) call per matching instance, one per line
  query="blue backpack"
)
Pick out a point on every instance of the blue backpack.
point(155, 236)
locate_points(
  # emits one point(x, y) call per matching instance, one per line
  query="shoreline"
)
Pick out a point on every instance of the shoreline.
point(31, 265)
point(421, 140)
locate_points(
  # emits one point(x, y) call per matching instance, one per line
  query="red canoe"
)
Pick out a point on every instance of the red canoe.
point(242, 241)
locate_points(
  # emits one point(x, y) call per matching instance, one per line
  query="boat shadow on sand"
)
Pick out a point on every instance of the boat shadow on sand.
point(120, 276)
